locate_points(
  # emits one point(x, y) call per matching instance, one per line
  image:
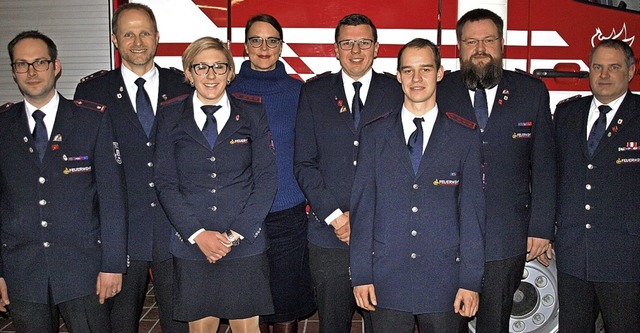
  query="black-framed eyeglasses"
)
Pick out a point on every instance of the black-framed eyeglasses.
point(256, 42)
point(489, 41)
point(363, 43)
point(202, 69)
point(40, 65)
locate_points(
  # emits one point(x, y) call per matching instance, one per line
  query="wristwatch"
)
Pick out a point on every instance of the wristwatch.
point(235, 241)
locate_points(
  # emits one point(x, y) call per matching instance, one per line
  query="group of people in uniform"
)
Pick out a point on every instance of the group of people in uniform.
point(414, 198)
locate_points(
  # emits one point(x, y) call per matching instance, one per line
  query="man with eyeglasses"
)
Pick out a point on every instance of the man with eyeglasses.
point(133, 93)
point(332, 109)
point(511, 111)
point(62, 210)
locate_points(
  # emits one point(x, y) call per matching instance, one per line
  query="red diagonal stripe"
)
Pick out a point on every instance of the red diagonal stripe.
point(298, 65)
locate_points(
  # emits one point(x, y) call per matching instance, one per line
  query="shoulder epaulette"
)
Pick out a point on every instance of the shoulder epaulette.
point(175, 99)
point(461, 120)
point(520, 71)
point(319, 76)
point(569, 99)
point(89, 105)
point(5, 107)
point(177, 71)
point(94, 75)
point(382, 116)
point(389, 75)
point(247, 98)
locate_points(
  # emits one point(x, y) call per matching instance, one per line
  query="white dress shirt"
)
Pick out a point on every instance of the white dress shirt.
point(50, 110)
point(409, 127)
point(350, 91)
point(152, 85)
point(594, 112)
point(491, 96)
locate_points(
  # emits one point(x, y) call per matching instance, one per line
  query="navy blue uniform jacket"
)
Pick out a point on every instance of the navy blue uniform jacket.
point(63, 221)
point(149, 228)
point(417, 238)
point(518, 160)
point(598, 214)
point(326, 145)
point(229, 187)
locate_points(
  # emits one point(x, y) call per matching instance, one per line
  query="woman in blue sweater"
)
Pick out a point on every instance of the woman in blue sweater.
point(264, 75)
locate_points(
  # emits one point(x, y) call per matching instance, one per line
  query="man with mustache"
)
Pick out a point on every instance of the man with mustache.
point(513, 116)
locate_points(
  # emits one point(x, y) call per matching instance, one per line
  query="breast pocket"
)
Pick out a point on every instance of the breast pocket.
point(76, 163)
point(523, 130)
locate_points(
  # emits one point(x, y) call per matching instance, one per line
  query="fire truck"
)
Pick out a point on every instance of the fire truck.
point(550, 39)
point(547, 38)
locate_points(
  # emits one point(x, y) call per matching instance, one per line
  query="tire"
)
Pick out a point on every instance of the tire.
point(535, 303)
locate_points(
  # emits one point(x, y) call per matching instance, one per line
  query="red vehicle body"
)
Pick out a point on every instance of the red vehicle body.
point(547, 38)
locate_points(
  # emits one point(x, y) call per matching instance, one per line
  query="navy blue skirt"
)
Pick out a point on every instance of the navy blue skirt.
point(231, 289)
point(291, 284)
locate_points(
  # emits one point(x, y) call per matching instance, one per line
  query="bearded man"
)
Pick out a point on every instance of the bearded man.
point(511, 111)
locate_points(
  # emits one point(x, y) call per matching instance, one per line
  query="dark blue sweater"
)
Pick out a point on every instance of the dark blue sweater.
point(279, 93)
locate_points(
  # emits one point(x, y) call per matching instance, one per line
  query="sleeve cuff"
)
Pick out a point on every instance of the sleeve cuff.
point(192, 239)
point(333, 216)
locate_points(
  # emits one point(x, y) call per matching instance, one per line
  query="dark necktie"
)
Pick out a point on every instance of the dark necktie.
point(40, 133)
point(210, 129)
point(480, 108)
point(598, 129)
point(356, 105)
point(143, 107)
point(415, 144)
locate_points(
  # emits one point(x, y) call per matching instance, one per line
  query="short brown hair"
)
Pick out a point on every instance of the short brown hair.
point(34, 34)
point(421, 43)
point(479, 14)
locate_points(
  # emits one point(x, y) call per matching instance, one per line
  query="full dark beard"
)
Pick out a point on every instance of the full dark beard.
point(487, 76)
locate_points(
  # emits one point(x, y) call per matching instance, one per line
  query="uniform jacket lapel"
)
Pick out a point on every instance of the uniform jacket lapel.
point(374, 99)
point(339, 95)
point(581, 122)
point(20, 129)
point(626, 112)
point(436, 145)
point(234, 122)
point(188, 124)
point(123, 106)
point(63, 127)
point(465, 108)
point(165, 89)
point(398, 144)
point(498, 106)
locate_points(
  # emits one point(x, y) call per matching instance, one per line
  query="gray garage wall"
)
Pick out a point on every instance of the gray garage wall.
point(80, 28)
